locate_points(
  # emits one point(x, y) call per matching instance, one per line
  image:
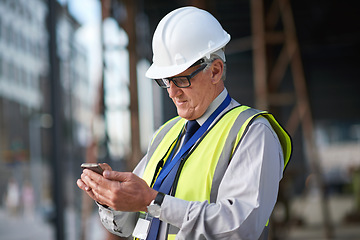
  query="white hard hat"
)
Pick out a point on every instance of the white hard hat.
point(181, 38)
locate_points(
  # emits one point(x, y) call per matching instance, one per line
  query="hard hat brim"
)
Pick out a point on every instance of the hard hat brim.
point(155, 72)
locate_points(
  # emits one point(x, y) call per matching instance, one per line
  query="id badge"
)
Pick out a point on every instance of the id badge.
point(142, 226)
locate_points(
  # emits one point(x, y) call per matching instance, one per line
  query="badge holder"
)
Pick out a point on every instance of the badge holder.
point(142, 226)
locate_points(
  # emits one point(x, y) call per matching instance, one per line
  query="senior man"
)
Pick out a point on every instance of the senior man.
point(212, 172)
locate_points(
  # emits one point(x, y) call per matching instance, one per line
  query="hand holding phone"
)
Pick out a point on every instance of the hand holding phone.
point(93, 166)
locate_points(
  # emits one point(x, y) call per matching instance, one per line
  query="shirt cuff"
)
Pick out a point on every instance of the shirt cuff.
point(119, 223)
point(173, 210)
point(99, 204)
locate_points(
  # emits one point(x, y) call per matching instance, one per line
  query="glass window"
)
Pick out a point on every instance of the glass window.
point(5, 69)
point(11, 71)
point(1, 66)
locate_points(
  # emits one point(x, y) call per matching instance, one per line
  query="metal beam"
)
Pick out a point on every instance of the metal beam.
point(56, 145)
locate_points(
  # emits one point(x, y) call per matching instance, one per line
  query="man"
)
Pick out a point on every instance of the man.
point(223, 182)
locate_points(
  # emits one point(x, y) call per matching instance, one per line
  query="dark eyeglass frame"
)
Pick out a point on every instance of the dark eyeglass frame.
point(165, 82)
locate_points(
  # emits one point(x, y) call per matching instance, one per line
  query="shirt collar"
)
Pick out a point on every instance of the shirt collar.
point(212, 107)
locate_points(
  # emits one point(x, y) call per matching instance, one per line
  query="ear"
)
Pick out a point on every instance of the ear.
point(217, 68)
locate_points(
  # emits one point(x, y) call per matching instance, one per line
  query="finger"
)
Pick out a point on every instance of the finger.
point(98, 185)
point(105, 166)
point(85, 184)
point(96, 181)
point(85, 188)
point(81, 184)
point(85, 179)
point(93, 175)
point(89, 183)
point(117, 176)
point(90, 187)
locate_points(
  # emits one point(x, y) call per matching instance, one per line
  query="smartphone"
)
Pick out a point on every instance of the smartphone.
point(93, 166)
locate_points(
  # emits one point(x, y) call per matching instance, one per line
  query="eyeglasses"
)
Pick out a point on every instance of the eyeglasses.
point(180, 81)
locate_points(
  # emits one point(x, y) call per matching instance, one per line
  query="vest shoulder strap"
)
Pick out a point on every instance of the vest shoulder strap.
point(235, 136)
point(160, 135)
point(229, 147)
point(227, 151)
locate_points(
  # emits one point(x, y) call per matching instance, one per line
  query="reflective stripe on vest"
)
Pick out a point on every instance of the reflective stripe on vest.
point(216, 147)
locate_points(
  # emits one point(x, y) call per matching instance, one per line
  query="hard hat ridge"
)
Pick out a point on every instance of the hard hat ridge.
point(181, 38)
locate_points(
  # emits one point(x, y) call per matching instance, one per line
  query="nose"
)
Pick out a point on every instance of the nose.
point(173, 90)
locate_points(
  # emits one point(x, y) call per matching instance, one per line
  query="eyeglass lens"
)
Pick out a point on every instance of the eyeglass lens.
point(180, 81)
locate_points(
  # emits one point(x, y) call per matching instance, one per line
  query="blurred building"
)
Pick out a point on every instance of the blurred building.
point(25, 119)
point(23, 68)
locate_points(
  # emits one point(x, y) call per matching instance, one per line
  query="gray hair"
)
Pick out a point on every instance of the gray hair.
point(210, 60)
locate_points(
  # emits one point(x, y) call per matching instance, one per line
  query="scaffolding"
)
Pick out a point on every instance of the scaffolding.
point(265, 23)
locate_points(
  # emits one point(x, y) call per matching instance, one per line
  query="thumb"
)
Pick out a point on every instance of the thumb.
point(115, 176)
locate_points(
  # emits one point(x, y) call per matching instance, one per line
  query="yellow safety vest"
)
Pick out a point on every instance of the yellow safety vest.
point(203, 169)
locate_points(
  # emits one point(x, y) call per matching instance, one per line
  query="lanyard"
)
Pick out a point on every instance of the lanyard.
point(169, 165)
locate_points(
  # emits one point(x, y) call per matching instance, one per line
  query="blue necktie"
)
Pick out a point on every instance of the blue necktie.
point(191, 127)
